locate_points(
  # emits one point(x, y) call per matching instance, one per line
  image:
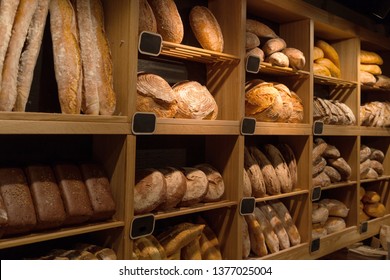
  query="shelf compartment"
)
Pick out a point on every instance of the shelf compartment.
point(56, 234)
point(196, 127)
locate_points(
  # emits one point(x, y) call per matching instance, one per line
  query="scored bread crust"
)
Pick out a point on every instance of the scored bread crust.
point(147, 20)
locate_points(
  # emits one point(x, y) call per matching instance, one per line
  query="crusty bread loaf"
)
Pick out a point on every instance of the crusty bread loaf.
point(371, 197)
point(286, 96)
point(377, 166)
point(321, 180)
point(318, 166)
point(145, 249)
point(371, 68)
point(368, 57)
point(154, 94)
point(255, 175)
point(197, 186)
point(278, 59)
point(336, 207)
point(288, 155)
point(146, 20)
point(335, 224)
point(333, 69)
point(22, 21)
point(274, 45)
point(364, 166)
point(67, 57)
point(329, 52)
point(319, 69)
point(3, 216)
point(256, 52)
point(256, 236)
point(176, 187)
point(17, 201)
point(209, 245)
point(246, 242)
point(367, 78)
point(8, 10)
point(375, 210)
point(150, 190)
point(333, 174)
point(317, 53)
point(252, 40)
point(46, 196)
point(318, 150)
point(260, 29)
point(298, 110)
point(206, 29)
point(216, 186)
point(296, 58)
point(365, 153)
point(342, 166)
point(191, 251)
point(319, 214)
point(318, 232)
point(30, 54)
point(271, 239)
point(377, 155)
point(331, 152)
point(382, 81)
point(169, 23)
point(194, 101)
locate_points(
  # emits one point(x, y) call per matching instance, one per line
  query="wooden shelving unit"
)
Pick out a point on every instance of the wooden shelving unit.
point(110, 141)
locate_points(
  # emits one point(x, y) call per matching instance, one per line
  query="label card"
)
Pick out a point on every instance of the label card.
point(247, 205)
point(252, 64)
point(248, 126)
point(363, 227)
point(143, 123)
point(142, 226)
point(315, 245)
point(318, 128)
point(150, 43)
point(316, 194)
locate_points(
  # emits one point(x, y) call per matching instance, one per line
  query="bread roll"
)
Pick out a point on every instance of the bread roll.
point(368, 57)
point(271, 239)
point(371, 68)
point(30, 54)
point(256, 236)
point(375, 210)
point(146, 20)
point(296, 58)
point(252, 41)
point(332, 173)
point(216, 186)
point(333, 69)
point(319, 214)
point(169, 23)
point(260, 29)
point(194, 101)
point(150, 190)
point(176, 187)
point(319, 69)
point(247, 186)
point(371, 197)
point(273, 45)
point(367, 78)
point(329, 52)
point(317, 53)
point(197, 186)
point(342, 166)
point(335, 224)
point(8, 10)
point(67, 58)
point(206, 29)
point(382, 81)
point(154, 94)
point(278, 59)
point(246, 242)
point(255, 175)
point(256, 52)
point(22, 21)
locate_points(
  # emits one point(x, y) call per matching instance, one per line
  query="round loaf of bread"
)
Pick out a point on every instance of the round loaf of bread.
point(150, 190)
point(298, 111)
point(334, 224)
point(288, 108)
point(260, 29)
point(319, 69)
point(252, 41)
point(216, 187)
point(247, 187)
point(375, 210)
point(274, 45)
point(197, 186)
point(194, 101)
point(176, 187)
point(278, 59)
point(154, 94)
point(296, 58)
point(206, 29)
point(147, 21)
point(169, 23)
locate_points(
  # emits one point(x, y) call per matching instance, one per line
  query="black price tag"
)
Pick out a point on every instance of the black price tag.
point(247, 205)
point(142, 226)
point(363, 227)
point(252, 64)
point(316, 194)
point(150, 43)
point(318, 128)
point(248, 126)
point(315, 245)
point(143, 123)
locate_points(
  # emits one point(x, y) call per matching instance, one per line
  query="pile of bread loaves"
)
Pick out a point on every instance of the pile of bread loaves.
point(375, 114)
point(262, 41)
point(328, 165)
point(162, 16)
point(326, 60)
point(370, 70)
point(41, 197)
point(269, 170)
point(186, 99)
point(370, 205)
point(328, 216)
point(332, 112)
point(166, 188)
point(268, 230)
point(371, 162)
point(82, 57)
point(183, 241)
point(272, 102)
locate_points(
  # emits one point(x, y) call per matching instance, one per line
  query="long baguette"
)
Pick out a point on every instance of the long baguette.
point(67, 58)
point(30, 54)
point(7, 15)
point(22, 21)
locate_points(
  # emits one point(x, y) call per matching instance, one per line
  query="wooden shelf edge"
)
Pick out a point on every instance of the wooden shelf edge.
point(293, 253)
point(265, 128)
point(196, 127)
point(55, 234)
point(268, 68)
point(340, 185)
point(341, 130)
point(283, 195)
point(374, 131)
point(381, 178)
point(324, 80)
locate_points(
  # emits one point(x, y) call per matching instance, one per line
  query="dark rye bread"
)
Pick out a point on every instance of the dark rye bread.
point(17, 200)
point(46, 196)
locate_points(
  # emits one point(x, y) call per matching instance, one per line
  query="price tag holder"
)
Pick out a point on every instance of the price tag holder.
point(248, 126)
point(252, 64)
point(316, 194)
point(315, 245)
point(247, 205)
point(318, 128)
point(142, 226)
point(143, 123)
point(150, 43)
point(363, 227)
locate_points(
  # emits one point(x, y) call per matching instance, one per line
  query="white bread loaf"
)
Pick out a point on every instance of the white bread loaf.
point(296, 58)
point(197, 186)
point(23, 17)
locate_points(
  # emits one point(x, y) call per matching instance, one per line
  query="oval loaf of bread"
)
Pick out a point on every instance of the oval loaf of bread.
point(176, 187)
point(197, 186)
point(147, 20)
point(274, 45)
point(271, 239)
point(216, 186)
point(247, 187)
point(246, 242)
point(252, 41)
point(296, 58)
point(288, 155)
point(278, 59)
point(260, 29)
point(255, 175)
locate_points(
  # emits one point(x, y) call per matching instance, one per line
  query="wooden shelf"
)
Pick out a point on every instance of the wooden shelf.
point(365, 88)
point(59, 233)
point(297, 252)
point(340, 185)
point(374, 131)
point(268, 68)
point(331, 81)
point(268, 128)
point(341, 130)
point(381, 178)
point(196, 127)
point(283, 195)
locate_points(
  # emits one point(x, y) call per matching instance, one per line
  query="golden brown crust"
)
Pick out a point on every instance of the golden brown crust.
point(329, 52)
point(333, 69)
point(371, 68)
point(260, 29)
point(147, 20)
point(251, 40)
point(368, 57)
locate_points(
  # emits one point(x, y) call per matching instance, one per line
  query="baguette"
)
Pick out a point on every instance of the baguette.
point(209, 245)
point(67, 58)
point(329, 52)
point(368, 57)
point(8, 10)
point(23, 17)
point(371, 68)
point(30, 54)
